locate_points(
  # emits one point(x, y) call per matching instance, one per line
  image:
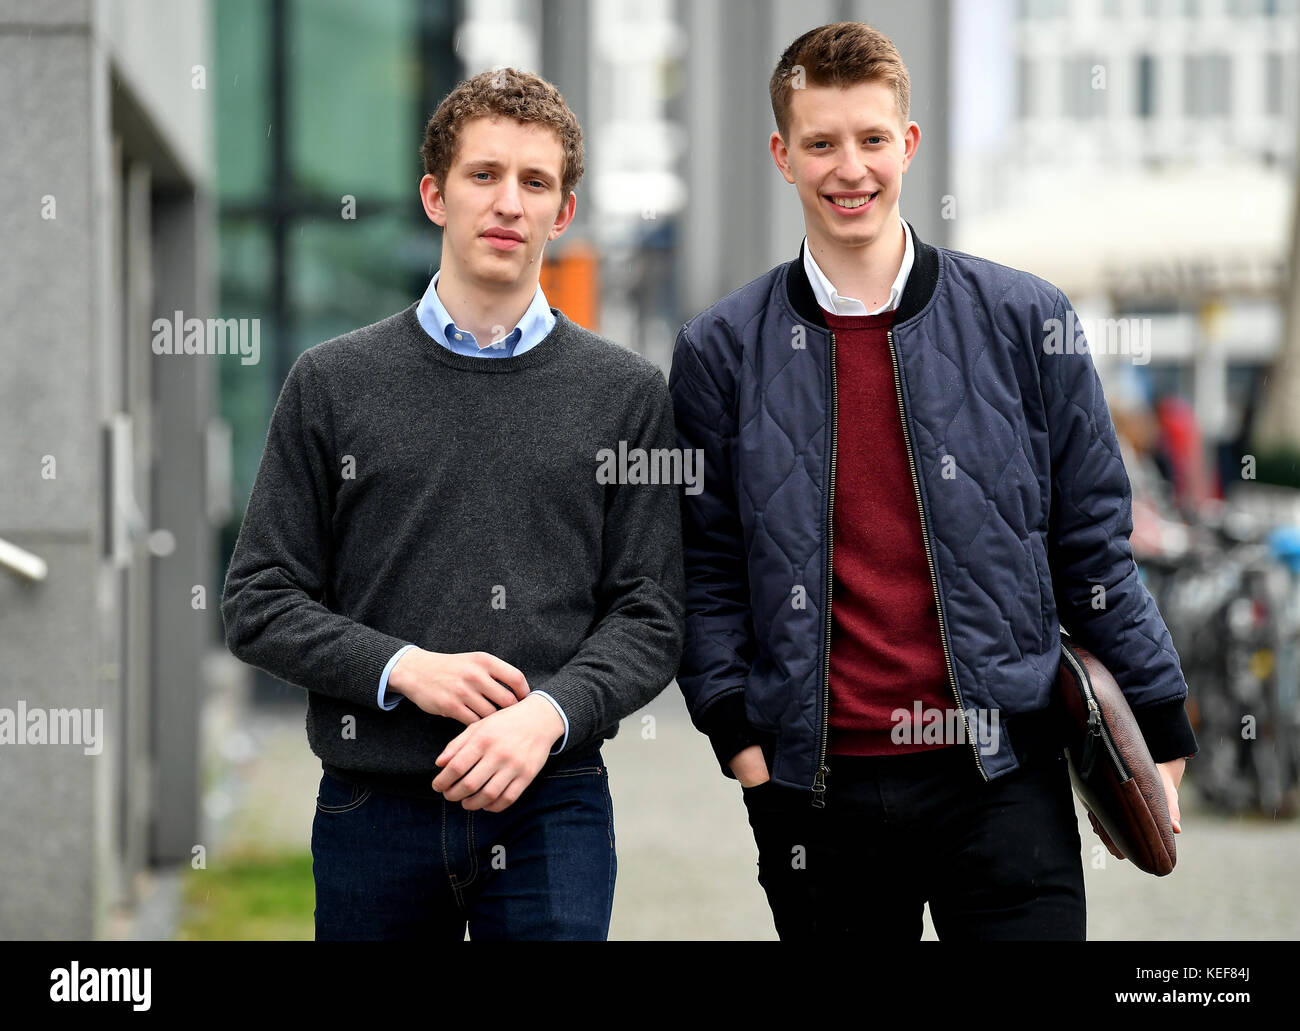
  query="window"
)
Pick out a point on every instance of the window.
point(1146, 86)
point(1207, 83)
point(1083, 85)
point(1024, 87)
point(1275, 84)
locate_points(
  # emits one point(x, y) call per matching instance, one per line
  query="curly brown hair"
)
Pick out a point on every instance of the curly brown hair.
point(842, 54)
point(507, 93)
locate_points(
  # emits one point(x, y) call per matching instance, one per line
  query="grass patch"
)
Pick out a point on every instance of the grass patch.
point(250, 896)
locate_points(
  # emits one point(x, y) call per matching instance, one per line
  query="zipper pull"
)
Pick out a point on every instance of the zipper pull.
point(1090, 743)
point(819, 789)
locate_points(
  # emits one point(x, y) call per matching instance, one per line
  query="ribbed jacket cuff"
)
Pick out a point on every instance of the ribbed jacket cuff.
point(1166, 730)
point(729, 729)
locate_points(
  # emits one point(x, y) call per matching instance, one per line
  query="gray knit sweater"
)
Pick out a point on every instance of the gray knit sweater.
point(408, 494)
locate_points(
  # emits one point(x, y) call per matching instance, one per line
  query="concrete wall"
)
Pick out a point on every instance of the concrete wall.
point(104, 160)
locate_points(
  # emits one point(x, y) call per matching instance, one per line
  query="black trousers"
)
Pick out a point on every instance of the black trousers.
point(994, 860)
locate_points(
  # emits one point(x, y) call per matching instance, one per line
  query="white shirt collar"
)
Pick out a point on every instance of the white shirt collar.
point(831, 301)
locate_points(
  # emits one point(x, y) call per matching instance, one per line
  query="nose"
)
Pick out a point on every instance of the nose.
point(852, 168)
point(506, 203)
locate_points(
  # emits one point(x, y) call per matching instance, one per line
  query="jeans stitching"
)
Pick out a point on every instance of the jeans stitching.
point(609, 813)
point(348, 807)
point(473, 849)
point(446, 860)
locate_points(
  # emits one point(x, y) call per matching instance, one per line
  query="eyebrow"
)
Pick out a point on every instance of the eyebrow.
point(495, 164)
point(871, 130)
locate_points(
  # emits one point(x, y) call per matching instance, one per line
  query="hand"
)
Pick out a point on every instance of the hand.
point(465, 686)
point(750, 767)
point(1171, 775)
point(490, 763)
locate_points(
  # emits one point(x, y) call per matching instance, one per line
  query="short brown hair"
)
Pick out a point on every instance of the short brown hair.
point(503, 93)
point(843, 54)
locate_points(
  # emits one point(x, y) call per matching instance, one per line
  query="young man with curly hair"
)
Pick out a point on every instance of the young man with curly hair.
point(429, 550)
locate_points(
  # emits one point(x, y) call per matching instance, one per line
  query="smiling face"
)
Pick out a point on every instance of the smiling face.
point(846, 154)
point(501, 202)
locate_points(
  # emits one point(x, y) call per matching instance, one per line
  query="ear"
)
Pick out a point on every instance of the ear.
point(781, 155)
point(565, 217)
point(432, 199)
point(911, 140)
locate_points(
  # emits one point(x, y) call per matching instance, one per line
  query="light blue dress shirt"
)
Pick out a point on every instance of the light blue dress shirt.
point(538, 320)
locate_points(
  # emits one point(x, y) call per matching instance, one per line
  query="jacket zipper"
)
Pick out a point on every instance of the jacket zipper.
point(925, 539)
point(819, 781)
point(1096, 724)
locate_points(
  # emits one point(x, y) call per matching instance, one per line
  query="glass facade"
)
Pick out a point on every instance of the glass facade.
point(320, 113)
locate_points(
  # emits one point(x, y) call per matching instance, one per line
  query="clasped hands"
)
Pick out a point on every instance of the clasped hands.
point(508, 734)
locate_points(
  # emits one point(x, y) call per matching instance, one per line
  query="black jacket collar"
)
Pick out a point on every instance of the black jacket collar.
point(916, 294)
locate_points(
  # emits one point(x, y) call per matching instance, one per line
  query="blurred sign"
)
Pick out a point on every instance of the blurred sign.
point(571, 282)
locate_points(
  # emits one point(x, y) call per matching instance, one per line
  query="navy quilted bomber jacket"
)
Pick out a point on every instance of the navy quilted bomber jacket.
point(1032, 514)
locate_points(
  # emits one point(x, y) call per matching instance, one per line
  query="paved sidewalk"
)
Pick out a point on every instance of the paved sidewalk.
point(687, 860)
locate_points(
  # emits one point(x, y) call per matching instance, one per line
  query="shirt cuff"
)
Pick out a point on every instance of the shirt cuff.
point(383, 680)
point(564, 740)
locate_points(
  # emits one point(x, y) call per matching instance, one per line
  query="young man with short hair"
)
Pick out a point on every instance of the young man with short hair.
point(429, 551)
point(907, 487)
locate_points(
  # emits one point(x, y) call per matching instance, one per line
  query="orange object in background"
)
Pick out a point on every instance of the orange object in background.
point(571, 281)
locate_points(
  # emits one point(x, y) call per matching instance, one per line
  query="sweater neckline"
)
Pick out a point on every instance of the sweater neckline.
point(880, 320)
point(542, 351)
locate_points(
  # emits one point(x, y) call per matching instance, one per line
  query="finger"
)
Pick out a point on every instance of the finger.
point(477, 703)
point(457, 767)
point(490, 791)
point(471, 782)
point(464, 715)
point(453, 746)
point(507, 674)
point(508, 797)
point(496, 693)
point(447, 781)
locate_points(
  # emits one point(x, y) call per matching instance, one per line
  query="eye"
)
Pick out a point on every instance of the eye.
point(477, 174)
point(820, 143)
point(871, 139)
point(538, 183)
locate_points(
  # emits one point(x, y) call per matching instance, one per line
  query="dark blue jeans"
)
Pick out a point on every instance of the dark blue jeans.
point(388, 866)
point(995, 860)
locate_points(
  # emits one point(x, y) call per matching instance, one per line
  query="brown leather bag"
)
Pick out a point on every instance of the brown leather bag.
point(1110, 766)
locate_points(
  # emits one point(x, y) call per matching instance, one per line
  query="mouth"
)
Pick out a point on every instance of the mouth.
point(503, 239)
point(852, 205)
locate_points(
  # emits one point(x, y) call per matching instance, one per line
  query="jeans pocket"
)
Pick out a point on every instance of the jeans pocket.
point(763, 797)
point(338, 796)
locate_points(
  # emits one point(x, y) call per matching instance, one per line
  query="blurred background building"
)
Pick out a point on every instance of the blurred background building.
point(259, 160)
point(1141, 156)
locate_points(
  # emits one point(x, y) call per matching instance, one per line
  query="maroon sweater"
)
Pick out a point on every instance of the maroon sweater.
point(886, 652)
